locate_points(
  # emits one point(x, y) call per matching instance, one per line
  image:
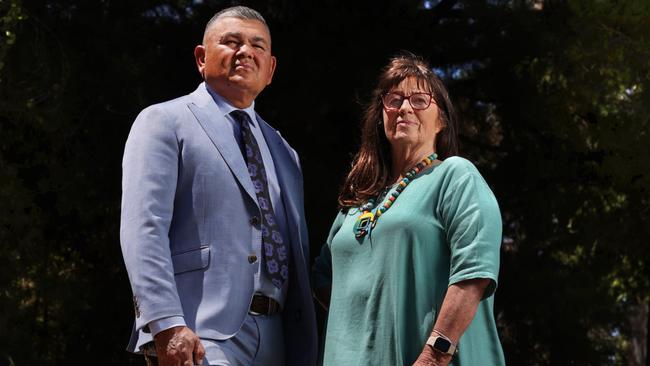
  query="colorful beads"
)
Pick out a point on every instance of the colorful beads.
point(367, 220)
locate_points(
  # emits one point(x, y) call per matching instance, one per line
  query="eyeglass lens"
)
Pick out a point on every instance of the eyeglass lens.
point(417, 100)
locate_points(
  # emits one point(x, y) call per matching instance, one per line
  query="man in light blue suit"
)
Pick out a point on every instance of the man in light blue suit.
point(212, 231)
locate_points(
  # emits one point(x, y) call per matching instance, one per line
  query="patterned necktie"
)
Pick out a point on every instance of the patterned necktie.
point(273, 246)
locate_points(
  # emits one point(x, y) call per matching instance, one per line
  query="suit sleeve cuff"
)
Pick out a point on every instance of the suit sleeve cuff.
point(159, 325)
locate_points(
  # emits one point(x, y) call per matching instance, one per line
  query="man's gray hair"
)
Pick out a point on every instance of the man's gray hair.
point(240, 12)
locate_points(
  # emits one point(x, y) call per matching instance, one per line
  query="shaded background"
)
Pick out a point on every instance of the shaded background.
point(554, 98)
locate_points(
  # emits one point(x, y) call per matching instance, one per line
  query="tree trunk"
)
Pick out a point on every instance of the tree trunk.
point(647, 332)
point(639, 323)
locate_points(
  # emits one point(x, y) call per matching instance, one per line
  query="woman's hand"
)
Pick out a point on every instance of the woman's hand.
point(429, 357)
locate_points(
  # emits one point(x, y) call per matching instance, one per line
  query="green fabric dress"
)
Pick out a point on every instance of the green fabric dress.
point(387, 290)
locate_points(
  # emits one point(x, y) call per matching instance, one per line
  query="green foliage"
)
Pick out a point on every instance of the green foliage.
point(10, 15)
point(582, 197)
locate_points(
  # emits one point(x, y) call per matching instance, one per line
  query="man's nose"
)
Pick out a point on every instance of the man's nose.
point(245, 50)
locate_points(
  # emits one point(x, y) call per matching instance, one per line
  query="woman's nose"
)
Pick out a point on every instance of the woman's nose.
point(406, 106)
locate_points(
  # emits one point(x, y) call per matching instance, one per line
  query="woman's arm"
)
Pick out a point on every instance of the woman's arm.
point(457, 311)
point(322, 277)
point(321, 273)
point(322, 296)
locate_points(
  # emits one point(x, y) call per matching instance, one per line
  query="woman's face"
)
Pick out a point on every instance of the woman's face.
point(410, 128)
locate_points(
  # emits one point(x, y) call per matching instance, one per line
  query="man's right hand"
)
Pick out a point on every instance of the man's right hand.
point(178, 346)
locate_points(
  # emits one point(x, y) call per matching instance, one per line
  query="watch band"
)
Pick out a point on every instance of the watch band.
point(441, 344)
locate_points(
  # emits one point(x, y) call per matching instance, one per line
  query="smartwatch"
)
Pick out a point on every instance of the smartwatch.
point(441, 344)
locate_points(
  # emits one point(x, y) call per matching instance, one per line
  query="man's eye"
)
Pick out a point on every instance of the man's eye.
point(259, 46)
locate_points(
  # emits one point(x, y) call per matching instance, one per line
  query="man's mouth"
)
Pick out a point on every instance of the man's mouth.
point(243, 67)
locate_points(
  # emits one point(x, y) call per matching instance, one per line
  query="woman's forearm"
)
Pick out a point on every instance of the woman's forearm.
point(459, 306)
point(456, 313)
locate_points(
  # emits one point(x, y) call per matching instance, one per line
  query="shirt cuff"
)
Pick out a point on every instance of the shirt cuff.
point(159, 325)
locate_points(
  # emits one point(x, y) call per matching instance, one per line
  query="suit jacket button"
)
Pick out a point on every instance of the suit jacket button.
point(252, 258)
point(254, 220)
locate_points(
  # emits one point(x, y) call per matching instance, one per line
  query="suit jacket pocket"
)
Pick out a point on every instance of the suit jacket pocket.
point(191, 260)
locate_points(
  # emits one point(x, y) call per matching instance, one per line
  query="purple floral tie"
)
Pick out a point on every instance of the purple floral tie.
point(273, 246)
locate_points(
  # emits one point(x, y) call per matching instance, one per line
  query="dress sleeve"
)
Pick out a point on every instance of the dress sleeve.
point(322, 269)
point(472, 220)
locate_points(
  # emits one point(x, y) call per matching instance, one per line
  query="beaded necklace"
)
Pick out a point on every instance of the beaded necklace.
point(368, 218)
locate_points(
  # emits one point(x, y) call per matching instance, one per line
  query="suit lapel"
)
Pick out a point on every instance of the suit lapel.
point(288, 174)
point(285, 167)
point(209, 117)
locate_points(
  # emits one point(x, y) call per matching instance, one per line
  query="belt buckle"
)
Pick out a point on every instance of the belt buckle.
point(271, 307)
point(254, 313)
point(250, 310)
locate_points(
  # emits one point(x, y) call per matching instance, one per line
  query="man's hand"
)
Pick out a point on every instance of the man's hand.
point(429, 357)
point(178, 346)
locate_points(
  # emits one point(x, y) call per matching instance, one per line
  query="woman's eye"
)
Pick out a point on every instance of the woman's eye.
point(396, 101)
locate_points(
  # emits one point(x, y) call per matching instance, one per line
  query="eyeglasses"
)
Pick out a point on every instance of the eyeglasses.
point(418, 101)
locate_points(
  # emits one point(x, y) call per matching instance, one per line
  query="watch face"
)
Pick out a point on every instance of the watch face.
point(441, 344)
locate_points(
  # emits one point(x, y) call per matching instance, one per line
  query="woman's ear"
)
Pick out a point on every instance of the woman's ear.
point(441, 124)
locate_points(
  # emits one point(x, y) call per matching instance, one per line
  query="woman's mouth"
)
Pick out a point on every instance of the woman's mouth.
point(404, 122)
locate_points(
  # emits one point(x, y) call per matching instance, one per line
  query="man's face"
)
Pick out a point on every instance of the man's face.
point(235, 59)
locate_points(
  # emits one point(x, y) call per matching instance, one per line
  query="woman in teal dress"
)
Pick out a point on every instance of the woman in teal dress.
point(410, 266)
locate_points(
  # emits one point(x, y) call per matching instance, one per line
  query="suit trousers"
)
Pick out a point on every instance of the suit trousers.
point(259, 342)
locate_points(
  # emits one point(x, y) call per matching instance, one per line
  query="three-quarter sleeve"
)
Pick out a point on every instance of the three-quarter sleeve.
point(472, 221)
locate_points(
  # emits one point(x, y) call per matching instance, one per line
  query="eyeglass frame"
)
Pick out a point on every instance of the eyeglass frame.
point(383, 103)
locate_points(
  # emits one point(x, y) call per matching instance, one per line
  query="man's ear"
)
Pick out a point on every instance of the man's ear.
point(199, 57)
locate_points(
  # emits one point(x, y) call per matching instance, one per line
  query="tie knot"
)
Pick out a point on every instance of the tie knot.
point(240, 116)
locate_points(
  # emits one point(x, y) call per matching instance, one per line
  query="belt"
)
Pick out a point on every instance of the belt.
point(263, 305)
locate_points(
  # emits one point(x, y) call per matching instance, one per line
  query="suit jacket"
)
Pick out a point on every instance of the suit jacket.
point(187, 227)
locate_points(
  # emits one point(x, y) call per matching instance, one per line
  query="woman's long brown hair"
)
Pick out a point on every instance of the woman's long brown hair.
point(371, 166)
